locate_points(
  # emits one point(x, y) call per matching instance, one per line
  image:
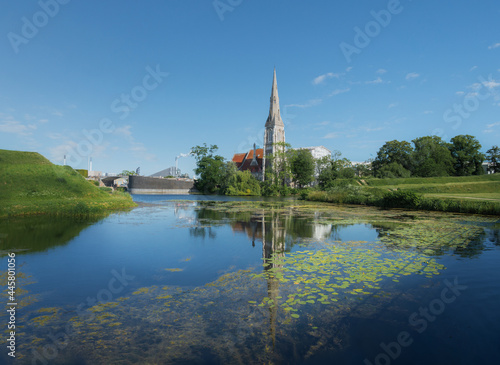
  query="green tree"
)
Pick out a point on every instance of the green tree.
point(431, 157)
point(392, 170)
point(391, 153)
point(279, 173)
point(243, 183)
point(302, 167)
point(493, 157)
point(128, 173)
point(332, 168)
point(211, 169)
point(466, 156)
point(363, 169)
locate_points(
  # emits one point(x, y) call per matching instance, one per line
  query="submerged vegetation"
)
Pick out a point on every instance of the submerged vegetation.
point(30, 184)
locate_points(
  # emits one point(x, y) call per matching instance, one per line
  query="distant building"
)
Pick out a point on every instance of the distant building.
point(171, 171)
point(275, 128)
point(488, 167)
point(251, 161)
point(317, 152)
point(95, 174)
point(257, 160)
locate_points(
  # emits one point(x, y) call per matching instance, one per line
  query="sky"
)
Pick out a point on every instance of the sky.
point(136, 84)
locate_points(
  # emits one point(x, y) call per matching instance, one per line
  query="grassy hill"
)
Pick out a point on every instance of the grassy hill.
point(31, 184)
point(486, 187)
point(468, 194)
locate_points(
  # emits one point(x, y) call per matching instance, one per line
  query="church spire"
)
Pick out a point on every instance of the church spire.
point(274, 109)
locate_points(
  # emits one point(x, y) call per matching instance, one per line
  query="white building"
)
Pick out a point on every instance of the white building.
point(317, 151)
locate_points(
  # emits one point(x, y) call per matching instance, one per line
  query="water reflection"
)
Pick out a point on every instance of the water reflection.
point(326, 279)
point(40, 233)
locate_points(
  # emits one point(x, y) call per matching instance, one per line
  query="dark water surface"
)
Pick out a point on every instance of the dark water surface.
point(243, 281)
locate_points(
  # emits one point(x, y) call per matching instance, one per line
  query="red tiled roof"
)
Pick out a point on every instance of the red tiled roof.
point(243, 160)
point(239, 157)
point(260, 153)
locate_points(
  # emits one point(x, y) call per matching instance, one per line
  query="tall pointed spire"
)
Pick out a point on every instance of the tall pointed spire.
point(274, 109)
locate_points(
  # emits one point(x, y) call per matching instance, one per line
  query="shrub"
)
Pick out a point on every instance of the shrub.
point(401, 199)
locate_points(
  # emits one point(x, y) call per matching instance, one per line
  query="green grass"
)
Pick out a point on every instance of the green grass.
point(476, 196)
point(31, 184)
point(433, 180)
point(470, 194)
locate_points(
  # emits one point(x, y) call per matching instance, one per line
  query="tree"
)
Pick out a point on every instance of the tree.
point(392, 170)
point(493, 157)
point(431, 157)
point(278, 172)
point(128, 173)
point(210, 168)
point(467, 159)
point(332, 168)
point(302, 167)
point(393, 152)
point(243, 183)
point(363, 169)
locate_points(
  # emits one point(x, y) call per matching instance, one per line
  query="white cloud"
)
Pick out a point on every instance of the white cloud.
point(331, 135)
point(378, 80)
point(348, 69)
point(53, 135)
point(490, 128)
point(412, 75)
point(13, 126)
point(428, 112)
point(459, 93)
point(369, 129)
point(392, 105)
point(123, 131)
point(70, 147)
point(381, 71)
point(491, 84)
point(493, 46)
point(320, 79)
point(473, 68)
point(339, 91)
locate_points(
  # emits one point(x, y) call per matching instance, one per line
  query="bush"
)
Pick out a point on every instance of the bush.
point(83, 172)
point(392, 170)
point(401, 199)
point(106, 189)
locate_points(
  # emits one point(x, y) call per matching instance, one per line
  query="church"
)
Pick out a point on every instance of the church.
point(255, 160)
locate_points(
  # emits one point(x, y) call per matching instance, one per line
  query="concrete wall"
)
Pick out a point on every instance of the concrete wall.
point(151, 185)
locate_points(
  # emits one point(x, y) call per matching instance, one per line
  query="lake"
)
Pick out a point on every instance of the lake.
point(190, 280)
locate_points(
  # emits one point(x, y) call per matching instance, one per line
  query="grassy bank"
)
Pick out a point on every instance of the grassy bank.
point(30, 184)
point(472, 194)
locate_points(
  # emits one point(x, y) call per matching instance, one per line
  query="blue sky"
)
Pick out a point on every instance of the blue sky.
point(138, 83)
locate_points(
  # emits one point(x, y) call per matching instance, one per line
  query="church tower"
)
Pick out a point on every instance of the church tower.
point(275, 129)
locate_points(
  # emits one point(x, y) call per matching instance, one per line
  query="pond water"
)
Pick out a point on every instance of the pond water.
point(182, 280)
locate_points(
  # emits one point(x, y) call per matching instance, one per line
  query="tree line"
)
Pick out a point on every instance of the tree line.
point(293, 169)
point(430, 156)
